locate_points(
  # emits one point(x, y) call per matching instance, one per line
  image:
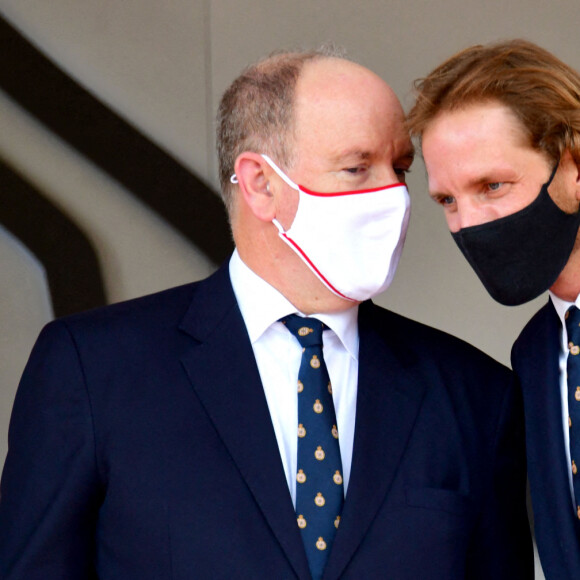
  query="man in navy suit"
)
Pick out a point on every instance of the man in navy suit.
point(157, 438)
point(500, 132)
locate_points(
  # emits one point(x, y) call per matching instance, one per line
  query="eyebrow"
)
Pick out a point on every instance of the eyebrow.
point(436, 195)
point(481, 180)
point(358, 153)
point(408, 154)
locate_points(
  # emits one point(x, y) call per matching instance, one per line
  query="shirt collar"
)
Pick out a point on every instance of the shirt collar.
point(561, 306)
point(262, 305)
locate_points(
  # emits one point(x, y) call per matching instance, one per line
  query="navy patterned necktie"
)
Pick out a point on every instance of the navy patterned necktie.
point(573, 373)
point(319, 487)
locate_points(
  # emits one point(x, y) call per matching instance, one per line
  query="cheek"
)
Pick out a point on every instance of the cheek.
point(472, 212)
point(453, 221)
point(563, 196)
point(516, 200)
point(286, 207)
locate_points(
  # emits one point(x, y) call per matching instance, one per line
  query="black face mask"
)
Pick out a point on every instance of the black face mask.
point(521, 255)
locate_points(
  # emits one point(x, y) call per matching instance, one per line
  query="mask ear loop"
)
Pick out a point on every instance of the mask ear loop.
point(287, 180)
point(281, 230)
point(553, 173)
point(280, 173)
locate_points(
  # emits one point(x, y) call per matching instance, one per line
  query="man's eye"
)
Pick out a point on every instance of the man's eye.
point(445, 200)
point(354, 170)
point(494, 186)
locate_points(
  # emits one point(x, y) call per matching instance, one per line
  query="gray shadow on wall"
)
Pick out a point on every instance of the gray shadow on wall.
point(116, 147)
point(71, 264)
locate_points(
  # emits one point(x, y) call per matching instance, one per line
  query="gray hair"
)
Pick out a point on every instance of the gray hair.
point(256, 113)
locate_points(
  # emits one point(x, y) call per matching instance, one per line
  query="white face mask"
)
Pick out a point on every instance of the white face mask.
point(351, 240)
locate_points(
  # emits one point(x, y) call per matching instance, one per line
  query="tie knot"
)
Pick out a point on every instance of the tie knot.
point(573, 324)
point(308, 331)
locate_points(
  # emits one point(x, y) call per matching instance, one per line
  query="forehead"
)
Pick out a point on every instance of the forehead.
point(477, 144)
point(340, 105)
point(488, 125)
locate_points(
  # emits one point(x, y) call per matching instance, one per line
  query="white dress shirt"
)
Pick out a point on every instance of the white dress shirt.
point(561, 307)
point(278, 356)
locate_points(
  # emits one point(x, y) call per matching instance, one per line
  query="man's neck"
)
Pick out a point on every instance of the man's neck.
point(567, 286)
point(279, 266)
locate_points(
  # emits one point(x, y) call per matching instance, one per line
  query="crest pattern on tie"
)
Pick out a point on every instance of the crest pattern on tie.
point(573, 378)
point(319, 485)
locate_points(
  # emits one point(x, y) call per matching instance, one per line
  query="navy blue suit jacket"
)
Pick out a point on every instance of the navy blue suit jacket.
point(535, 360)
point(141, 447)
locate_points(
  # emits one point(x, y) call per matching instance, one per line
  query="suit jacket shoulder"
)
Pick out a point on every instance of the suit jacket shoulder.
point(543, 326)
point(164, 309)
point(418, 343)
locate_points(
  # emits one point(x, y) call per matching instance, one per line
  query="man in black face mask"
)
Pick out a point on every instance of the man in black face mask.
point(500, 134)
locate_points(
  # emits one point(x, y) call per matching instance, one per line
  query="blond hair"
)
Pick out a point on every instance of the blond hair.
point(542, 91)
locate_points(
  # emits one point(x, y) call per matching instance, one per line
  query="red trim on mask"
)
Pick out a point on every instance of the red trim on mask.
point(303, 254)
point(354, 192)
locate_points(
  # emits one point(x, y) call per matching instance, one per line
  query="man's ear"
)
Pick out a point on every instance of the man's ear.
point(254, 185)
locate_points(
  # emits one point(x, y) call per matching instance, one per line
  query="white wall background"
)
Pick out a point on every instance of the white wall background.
point(163, 67)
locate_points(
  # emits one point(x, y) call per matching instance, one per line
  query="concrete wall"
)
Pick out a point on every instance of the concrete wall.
point(163, 66)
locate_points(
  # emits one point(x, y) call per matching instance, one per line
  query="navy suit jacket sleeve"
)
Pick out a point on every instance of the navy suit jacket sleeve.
point(51, 487)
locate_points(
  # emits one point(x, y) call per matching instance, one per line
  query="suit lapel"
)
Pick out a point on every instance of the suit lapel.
point(224, 375)
point(388, 401)
point(538, 369)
